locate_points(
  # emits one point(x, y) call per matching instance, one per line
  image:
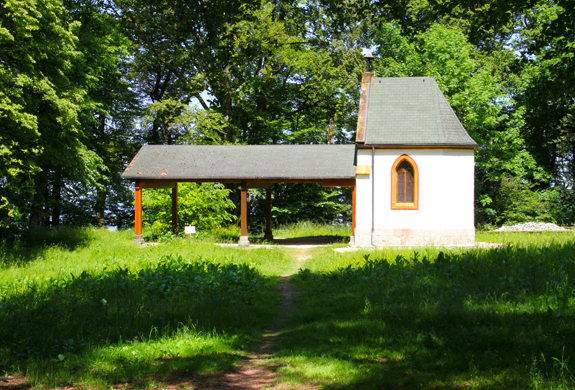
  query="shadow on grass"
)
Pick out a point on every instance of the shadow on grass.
point(498, 319)
point(21, 250)
point(121, 324)
point(170, 370)
point(313, 240)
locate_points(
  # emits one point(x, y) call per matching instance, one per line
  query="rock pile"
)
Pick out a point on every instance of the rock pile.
point(532, 227)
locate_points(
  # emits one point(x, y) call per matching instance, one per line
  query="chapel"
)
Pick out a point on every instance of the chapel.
point(411, 169)
point(415, 166)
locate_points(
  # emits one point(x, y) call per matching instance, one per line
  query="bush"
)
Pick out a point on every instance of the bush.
point(204, 205)
point(518, 202)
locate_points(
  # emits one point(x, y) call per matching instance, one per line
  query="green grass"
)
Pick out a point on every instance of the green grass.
point(400, 318)
point(311, 229)
point(87, 306)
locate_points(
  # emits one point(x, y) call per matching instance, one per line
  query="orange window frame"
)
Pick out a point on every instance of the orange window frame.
point(395, 205)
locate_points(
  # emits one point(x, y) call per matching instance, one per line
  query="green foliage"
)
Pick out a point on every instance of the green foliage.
point(518, 202)
point(59, 89)
point(39, 105)
point(302, 202)
point(107, 119)
point(563, 200)
point(267, 81)
point(71, 98)
point(185, 124)
point(475, 85)
point(204, 205)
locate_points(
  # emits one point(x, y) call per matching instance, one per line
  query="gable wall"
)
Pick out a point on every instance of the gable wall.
point(446, 199)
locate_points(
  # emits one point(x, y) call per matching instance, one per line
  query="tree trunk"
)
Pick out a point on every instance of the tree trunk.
point(100, 206)
point(235, 197)
point(102, 190)
point(57, 197)
point(226, 104)
point(38, 201)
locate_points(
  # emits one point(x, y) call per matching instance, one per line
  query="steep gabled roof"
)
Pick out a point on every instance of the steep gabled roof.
point(222, 163)
point(412, 111)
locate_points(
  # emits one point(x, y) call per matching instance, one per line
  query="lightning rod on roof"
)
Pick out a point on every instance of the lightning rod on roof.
point(368, 56)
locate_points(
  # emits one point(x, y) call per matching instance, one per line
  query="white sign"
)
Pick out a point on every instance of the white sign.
point(190, 229)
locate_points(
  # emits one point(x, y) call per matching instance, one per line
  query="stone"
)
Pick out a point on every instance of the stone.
point(531, 227)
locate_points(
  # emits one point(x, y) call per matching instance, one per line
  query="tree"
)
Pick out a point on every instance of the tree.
point(268, 72)
point(40, 102)
point(203, 205)
point(472, 83)
point(293, 202)
point(107, 116)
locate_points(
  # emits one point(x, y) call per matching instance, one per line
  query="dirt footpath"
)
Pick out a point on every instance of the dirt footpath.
point(257, 372)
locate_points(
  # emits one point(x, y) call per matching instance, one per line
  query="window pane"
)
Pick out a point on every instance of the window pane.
point(401, 186)
point(405, 183)
point(409, 187)
point(407, 166)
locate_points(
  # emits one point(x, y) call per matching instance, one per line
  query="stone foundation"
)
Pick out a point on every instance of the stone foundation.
point(416, 237)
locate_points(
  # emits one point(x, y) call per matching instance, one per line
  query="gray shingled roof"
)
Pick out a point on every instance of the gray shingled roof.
point(412, 111)
point(242, 162)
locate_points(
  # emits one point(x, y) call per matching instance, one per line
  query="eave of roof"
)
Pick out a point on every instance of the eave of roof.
point(416, 146)
point(221, 163)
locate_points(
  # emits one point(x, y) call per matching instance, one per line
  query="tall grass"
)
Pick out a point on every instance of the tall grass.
point(500, 318)
point(87, 306)
point(311, 229)
point(231, 234)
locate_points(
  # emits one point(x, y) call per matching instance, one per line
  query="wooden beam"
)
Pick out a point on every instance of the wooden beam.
point(175, 208)
point(138, 225)
point(259, 185)
point(253, 182)
point(405, 147)
point(138, 239)
point(158, 184)
point(244, 215)
point(338, 183)
point(363, 106)
point(244, 211)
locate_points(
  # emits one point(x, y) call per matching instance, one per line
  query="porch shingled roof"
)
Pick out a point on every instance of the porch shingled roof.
point(222, 163)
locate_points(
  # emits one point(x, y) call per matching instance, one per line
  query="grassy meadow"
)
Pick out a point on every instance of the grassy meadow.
point(86, 307)
point(437, 318)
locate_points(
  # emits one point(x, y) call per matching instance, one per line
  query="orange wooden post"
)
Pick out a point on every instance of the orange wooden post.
point(175, 208)
point(244, 216)
point(353, 218)
point(138, 237)
point(268, 234)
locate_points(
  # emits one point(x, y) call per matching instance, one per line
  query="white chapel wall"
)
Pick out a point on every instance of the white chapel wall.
point(446, 199)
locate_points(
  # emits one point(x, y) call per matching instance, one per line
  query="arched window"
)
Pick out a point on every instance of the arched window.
point(404, 184)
